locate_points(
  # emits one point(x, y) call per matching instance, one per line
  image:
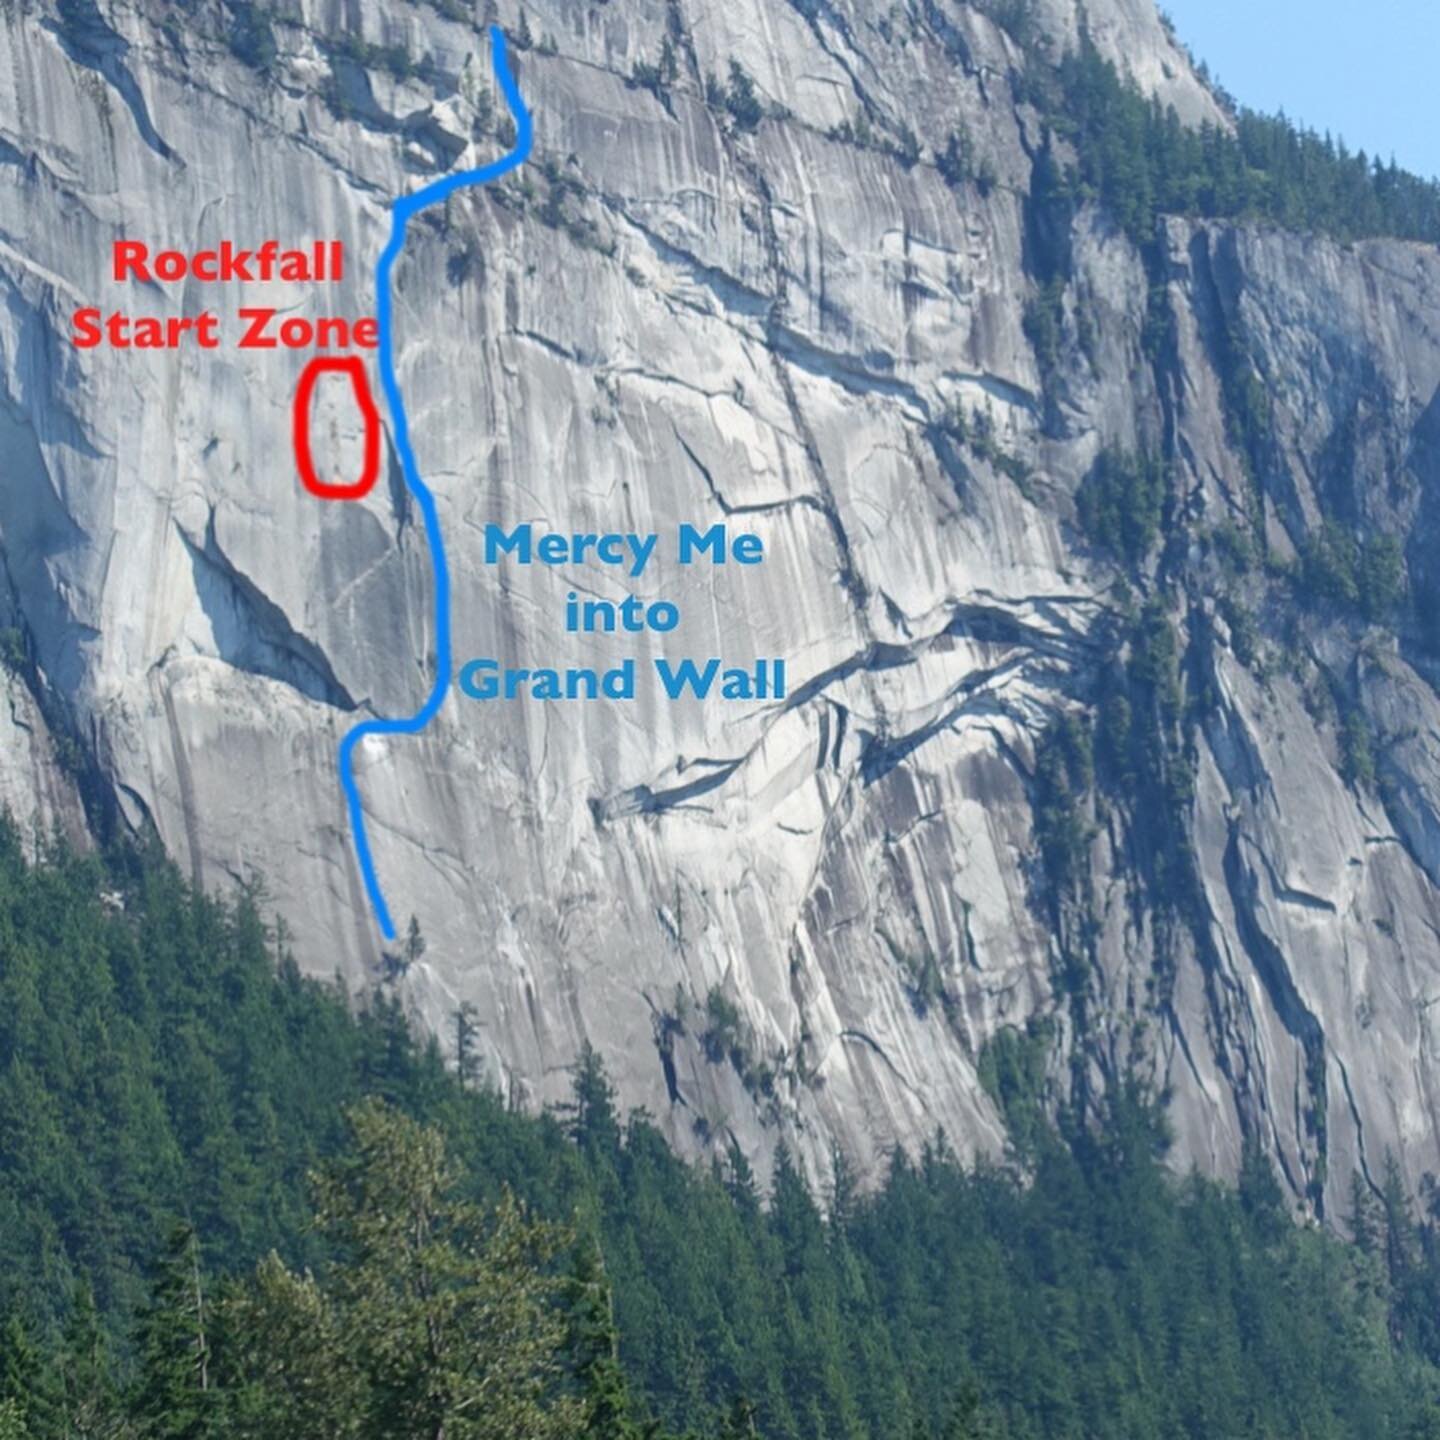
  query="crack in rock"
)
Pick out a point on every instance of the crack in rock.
point(252, 632)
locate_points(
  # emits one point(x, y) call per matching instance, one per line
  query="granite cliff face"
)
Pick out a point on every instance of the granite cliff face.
point(806, 918)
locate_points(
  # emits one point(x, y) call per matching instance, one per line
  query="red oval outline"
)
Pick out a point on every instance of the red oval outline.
point(354, 367)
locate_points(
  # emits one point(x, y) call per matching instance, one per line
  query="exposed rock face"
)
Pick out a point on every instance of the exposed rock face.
point(803, 918)
point(34, 786)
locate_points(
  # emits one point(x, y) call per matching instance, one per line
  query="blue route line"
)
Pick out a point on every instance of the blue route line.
point(403, 209)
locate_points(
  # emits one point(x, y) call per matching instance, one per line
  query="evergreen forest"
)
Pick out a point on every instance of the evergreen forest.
point(236, 1202)
point(1136, 159)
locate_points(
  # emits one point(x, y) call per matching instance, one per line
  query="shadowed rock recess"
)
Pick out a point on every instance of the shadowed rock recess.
point(1101, 570)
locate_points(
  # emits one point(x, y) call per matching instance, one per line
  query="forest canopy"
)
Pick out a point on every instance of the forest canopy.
point(209, 1166)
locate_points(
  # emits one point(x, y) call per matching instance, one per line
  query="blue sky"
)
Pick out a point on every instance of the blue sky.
point(1369, 72)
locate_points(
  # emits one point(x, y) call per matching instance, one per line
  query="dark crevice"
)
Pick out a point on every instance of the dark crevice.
point(1299, 1021)
point(89, 40)
point(252, 633)
point(643, 800)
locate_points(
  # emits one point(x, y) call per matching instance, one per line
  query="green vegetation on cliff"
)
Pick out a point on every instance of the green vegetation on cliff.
point(1140, 162)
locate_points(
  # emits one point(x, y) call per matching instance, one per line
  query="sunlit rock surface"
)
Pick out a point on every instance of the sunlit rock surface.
point(801, 919)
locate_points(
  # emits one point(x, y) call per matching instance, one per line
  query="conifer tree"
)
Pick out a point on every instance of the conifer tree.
point(844, 1190)
point(740, 1181)
point(89, 1396)
point(467, 1062)
point(284, 1365)
point(594, 1125)
point(1401, 1245)
point(415, 945)
point(595, 1350)
point(448, 1314)
point(171, 1398)
point(1366, 1217)
point(28, 1391)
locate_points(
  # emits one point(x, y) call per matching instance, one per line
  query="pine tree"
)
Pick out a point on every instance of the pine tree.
point(467, 1062)
point(740, 1181)
point(90, 1399)
point(1401, 1241)
point(1366, 1216)
point(1261, 1195)
point(741, 99)
point(594, 1125)
point(171, 1399)
point(595, 1349)
point(794, 1219)
point(844, 1190)
point(415, 945)
point(28, 1388)
point(283, 1362)
point(447, 1314)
